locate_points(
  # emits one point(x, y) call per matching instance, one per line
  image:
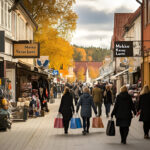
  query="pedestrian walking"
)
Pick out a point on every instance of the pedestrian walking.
point(66, 108)
point(123, 111)
point(76, 94)
point(107, 99)
point(97, 98)
point(55, 90)
point(86, 102)
point(144, 110)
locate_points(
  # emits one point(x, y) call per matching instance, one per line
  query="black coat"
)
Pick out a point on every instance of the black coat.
point(66, 106)
point(108, 97)
point(86, 102)
point(144, 107)
point(123, 109)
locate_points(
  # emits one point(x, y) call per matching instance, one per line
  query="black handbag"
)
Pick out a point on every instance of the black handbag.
point(110, 130)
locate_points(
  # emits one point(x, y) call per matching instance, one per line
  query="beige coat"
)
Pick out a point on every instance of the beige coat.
point(97, 95)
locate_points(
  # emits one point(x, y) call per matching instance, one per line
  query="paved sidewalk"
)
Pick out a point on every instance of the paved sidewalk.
point(39, 134)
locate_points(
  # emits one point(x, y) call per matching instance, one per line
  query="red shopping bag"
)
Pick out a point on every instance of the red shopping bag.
point(58, 122)
point(97, 123)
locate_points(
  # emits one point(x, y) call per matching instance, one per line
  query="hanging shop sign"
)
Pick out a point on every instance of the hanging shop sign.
point(123, 49)
point(55, 72)
point(26, 50)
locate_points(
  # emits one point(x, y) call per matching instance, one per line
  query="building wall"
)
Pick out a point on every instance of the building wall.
point(134, 34)
point(17, 26)
point(146, 44)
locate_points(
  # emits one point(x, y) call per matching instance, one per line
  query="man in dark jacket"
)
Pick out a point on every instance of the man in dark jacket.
point(97, 98)
point(123, 112)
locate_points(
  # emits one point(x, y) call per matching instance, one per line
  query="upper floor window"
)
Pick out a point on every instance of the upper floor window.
point(5, 16)
point(2, 12)
point(146, 12)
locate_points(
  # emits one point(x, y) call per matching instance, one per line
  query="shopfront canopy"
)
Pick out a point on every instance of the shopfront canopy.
point(114, 77)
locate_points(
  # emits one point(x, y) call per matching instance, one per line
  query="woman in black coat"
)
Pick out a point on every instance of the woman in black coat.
point(86, 102)
point(107, 100)
point(144, 110)
point(123, 111)
point(66, 108)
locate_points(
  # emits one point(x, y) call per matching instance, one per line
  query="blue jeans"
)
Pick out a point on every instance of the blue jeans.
point(55, 94)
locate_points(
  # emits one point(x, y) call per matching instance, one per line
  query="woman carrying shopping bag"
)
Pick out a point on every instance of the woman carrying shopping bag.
point(86, 102)
point(144, 110)
point(123, 111)
point(66, 108)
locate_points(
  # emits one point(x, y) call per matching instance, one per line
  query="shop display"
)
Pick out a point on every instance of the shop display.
point(26, 90)
point(20, 110)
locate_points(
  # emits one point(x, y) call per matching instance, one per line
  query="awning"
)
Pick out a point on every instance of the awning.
point(99, 78)
point(118, 74)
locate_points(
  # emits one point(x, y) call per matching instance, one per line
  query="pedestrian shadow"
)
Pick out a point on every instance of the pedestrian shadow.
point(75, 135)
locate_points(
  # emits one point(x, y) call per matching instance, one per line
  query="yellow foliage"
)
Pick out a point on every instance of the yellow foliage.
point(83, 53)
point(59, 50)
point(71, 79)
point(58, 13)
point(93, 72)
point(90, 58)
point(80, 74)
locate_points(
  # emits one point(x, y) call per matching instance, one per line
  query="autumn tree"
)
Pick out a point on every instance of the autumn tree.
point(56, 21)
point(81, 74)
point(57, 13)
point(79, 54)
point(93, 72)
point(59, 50)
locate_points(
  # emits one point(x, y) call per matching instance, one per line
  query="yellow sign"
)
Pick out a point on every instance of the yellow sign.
point(26, 50)
point(0, 82)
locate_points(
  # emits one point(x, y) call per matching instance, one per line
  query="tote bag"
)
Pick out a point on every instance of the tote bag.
point(78, 121)
point(97, 123)
point(58, 122)
point(110, 130)
point(73, 124)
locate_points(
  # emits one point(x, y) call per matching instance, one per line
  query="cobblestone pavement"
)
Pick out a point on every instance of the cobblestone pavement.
point(39, 134)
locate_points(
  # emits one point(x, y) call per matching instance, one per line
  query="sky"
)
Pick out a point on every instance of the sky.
point(96, 19)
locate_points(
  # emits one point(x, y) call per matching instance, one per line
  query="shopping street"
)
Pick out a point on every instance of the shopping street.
point(39, 134)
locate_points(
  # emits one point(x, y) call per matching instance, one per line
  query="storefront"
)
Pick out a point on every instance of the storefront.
point(30, 79)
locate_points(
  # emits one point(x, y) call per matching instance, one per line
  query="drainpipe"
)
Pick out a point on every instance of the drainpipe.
point(142, 50)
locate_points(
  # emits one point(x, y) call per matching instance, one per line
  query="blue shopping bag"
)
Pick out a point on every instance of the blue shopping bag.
point(78, 122)
point(73, 124)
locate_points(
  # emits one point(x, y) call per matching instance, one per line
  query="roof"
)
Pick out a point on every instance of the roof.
point(132, 18)
point(85, 65)
point(120, 19)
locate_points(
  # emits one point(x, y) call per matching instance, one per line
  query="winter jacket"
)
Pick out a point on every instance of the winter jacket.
point(66, 106)
point(86, 102)
point(97, 95)
point(144, 107)
point(108, 97)
point(123, 107)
